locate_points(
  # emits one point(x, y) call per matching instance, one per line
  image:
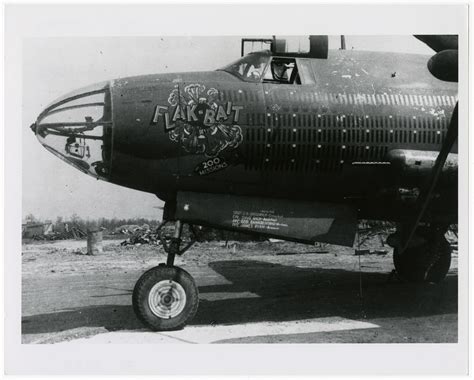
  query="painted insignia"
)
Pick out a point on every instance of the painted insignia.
point(211, 165)
point(198, 122)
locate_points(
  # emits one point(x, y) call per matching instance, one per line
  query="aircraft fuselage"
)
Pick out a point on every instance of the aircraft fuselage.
point(358, 127)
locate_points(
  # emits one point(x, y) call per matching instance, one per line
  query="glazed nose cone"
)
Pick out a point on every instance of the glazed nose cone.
point(78, 129)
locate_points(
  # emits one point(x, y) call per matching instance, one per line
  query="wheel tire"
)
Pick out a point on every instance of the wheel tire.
point(165, 298)
point(412, 267)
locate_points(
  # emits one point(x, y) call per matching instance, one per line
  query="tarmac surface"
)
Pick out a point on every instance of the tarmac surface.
point(249, 293)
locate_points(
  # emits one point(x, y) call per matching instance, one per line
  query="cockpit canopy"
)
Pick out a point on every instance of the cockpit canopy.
point(264, 67)
point(251, 67)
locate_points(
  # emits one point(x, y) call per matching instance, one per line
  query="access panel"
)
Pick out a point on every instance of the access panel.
point(301, 221)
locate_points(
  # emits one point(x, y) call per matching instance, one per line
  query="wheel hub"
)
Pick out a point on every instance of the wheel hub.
point(167, 299)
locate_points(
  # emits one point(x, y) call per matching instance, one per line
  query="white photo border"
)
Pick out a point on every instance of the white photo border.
point(23, 21)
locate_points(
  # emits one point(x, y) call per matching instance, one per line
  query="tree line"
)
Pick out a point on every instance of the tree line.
point(108, 223)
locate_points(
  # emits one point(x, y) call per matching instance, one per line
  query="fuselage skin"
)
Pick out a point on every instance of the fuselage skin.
point(329, 138)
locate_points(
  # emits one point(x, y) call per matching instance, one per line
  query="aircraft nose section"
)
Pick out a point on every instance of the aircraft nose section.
point(78, 129)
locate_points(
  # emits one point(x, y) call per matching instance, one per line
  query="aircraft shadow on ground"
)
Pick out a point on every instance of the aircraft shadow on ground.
point(285, 293)
point(290, 293)
point(111, 317)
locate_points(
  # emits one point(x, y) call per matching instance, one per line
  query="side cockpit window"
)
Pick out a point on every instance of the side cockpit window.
point(306, 71)
point(282, 70)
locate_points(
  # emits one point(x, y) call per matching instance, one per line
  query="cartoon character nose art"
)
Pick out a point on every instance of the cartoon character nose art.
point(198, 122)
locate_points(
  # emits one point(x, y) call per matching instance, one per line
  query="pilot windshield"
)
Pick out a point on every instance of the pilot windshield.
point(249, 68)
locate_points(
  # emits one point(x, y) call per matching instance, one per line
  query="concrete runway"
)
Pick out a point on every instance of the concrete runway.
point(247, 301)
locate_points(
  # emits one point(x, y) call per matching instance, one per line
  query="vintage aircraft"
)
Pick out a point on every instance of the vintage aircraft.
point(296, 146)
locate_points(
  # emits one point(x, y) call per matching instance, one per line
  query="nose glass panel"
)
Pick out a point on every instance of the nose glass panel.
point(78, 129)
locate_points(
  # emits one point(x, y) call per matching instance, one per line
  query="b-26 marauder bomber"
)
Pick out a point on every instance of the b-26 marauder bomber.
point(296, 146)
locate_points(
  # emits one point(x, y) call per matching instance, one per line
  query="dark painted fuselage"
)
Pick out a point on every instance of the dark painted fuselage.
point(332, 137)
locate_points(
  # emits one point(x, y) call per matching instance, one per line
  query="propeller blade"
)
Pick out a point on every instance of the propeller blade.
point(439, 42)
point(444, 65)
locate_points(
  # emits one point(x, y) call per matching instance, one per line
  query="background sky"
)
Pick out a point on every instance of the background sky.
point(55, 66)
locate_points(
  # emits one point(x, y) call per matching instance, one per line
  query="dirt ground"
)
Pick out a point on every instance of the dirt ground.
point(265, 292)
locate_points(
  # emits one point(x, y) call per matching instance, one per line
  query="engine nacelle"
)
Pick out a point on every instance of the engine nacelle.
point(412, 166)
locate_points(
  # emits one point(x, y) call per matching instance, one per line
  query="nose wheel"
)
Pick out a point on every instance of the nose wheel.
point(166, 297)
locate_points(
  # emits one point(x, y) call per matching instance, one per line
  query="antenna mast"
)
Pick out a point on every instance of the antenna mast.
point(343, 42)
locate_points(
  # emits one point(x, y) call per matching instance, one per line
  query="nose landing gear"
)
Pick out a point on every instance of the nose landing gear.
point(166, 297)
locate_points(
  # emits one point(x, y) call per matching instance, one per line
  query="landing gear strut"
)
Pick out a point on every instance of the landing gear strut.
point(427, 259)
point(166, 297)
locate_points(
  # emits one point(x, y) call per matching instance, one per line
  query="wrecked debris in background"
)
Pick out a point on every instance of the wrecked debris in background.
point(371, 240)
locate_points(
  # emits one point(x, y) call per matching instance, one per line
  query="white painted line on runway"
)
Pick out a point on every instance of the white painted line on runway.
point(209, 334)
point(216, 296)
